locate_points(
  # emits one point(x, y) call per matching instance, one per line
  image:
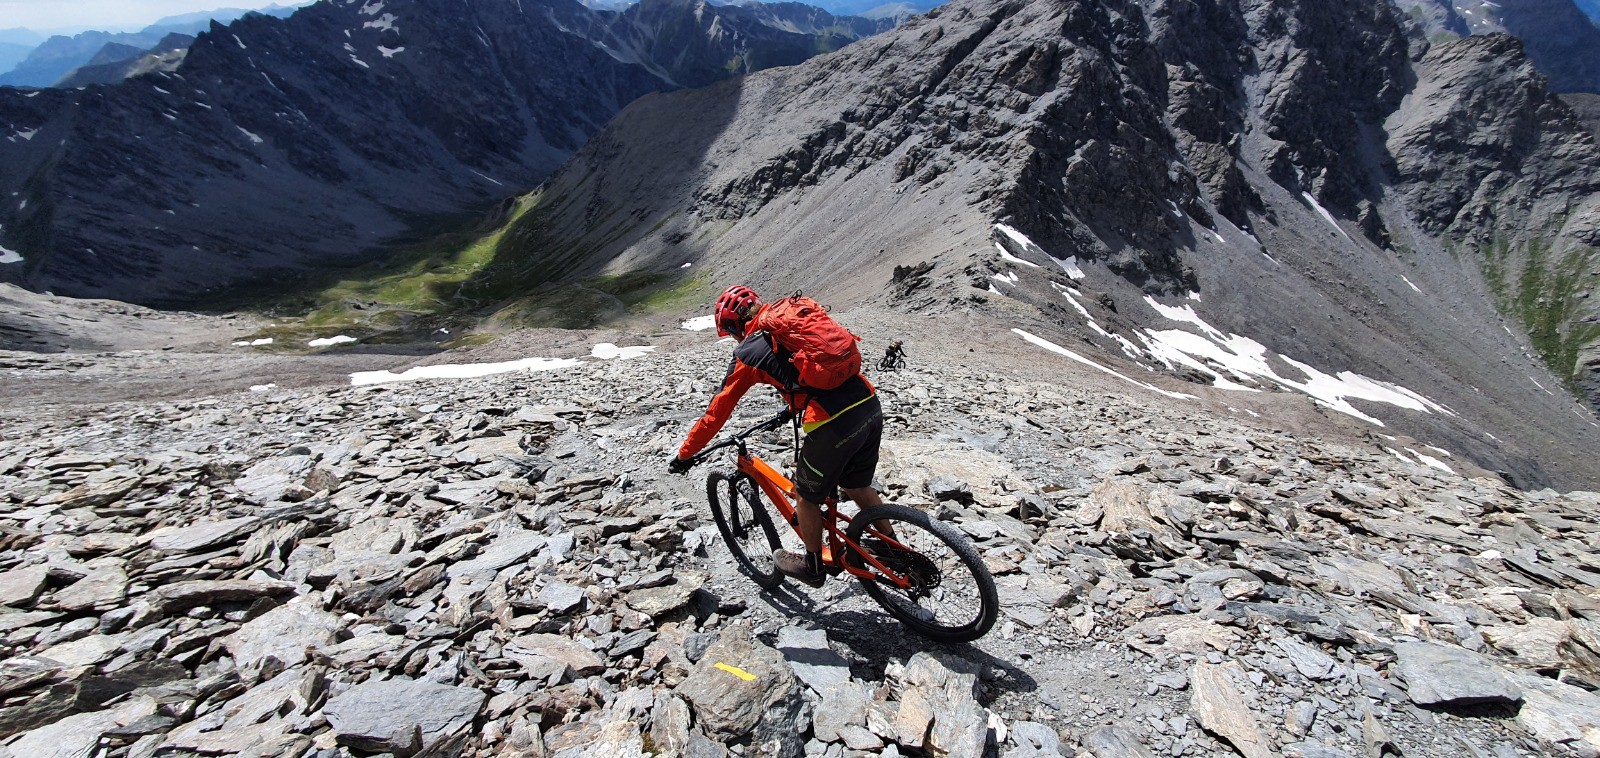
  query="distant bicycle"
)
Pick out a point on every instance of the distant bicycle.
point(894, 358)
point(922, 571)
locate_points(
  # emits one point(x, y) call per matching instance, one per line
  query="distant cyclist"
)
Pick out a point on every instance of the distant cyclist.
point(894, 358)
point(843, 425)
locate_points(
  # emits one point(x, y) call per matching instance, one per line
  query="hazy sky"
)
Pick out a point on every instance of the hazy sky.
point(111, 15)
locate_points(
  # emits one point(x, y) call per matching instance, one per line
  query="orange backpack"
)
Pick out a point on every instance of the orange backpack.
point(824, 352)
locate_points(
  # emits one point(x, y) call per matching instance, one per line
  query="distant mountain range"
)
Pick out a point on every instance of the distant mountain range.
point(282, 145)
point(55, 58)
point(863, 8)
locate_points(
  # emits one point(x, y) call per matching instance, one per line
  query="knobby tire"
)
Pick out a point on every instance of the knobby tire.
point(947, 568)
point(744, 521)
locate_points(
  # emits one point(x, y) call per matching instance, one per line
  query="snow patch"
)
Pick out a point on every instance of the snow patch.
point(9, 256)
point(605, 351)
point(485, 177)
point(1017, 237)
point(262, 387)
point(384, 23)
point(1071, 298)
point(25, 134)
point(1006, 278)
point(1429, 460)
point(461, 370)
point(700, 323)
point(331, 341)
point(1420, 459)
point(359, 62)
point(254, 343)
point(250, 135)
point(1070, 265)
point(1325, 214)
point(1059, 350)
point(1009, 258)
point(371, 9)
point(1244, 358)
point(1408, 281)
point(390, 52)
point(241, 42)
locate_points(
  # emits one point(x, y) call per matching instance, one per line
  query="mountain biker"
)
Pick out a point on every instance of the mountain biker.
point(895, 352)
point(843, 428)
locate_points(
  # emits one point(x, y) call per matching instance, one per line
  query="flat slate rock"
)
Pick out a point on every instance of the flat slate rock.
point(101, 589)
point(510, 547)
point(390, 716)
point(20, 587)
point(659, 601)
point(811, 659)
point(282, 635)
point(1443, 675)
point(203, 535)
point(531, 650)
point(181, 596)
point(1220, 698)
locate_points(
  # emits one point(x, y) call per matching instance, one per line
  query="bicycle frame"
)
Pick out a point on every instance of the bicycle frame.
point(778, 489)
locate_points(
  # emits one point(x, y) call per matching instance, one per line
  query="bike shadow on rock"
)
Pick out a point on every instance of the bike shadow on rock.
point(875, 639)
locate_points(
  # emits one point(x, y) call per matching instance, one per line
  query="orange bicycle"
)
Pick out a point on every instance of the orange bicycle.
point(922, 571)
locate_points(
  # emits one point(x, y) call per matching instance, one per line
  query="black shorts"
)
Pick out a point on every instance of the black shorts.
point(840, 453)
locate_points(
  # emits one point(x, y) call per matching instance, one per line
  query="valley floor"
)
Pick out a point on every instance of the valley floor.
point(219, 550)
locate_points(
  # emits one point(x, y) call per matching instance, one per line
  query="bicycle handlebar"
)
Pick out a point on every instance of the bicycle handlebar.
point(766, 426)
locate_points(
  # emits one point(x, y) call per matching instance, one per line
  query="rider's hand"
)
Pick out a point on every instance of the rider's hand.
point(680, 466)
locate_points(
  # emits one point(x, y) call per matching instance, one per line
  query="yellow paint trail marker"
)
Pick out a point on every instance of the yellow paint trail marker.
point(736, 671)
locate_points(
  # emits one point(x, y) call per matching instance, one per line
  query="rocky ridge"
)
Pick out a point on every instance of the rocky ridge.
point(165, 56)
point(500, 566)
point(1561, 37)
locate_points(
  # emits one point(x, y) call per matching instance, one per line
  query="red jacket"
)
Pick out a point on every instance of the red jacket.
point(758, 359)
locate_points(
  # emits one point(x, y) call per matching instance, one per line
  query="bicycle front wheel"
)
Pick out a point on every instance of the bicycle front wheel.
point(951, 597)
point(746, 525)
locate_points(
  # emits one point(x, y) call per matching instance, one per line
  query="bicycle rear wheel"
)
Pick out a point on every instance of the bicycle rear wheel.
point(746, 525)
point(952, 597)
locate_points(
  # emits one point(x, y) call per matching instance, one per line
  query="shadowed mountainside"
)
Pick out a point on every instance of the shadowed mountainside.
point(282, 145)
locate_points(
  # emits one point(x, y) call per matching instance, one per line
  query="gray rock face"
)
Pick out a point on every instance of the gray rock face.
point(1481, 134)
point(742, 687)
point(401, 716)
point(1441, 675)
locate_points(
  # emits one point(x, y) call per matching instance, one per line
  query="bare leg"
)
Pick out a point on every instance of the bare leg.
point(865, 497)
point(810, 517)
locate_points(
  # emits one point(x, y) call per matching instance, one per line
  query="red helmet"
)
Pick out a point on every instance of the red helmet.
point(735, 307)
